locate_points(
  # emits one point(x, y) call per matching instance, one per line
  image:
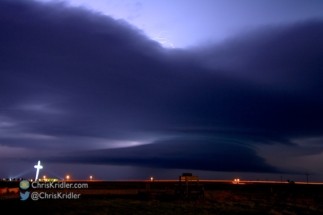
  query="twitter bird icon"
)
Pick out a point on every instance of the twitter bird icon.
point(24, 196)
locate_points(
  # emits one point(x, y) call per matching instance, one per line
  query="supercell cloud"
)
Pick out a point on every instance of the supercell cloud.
point(85, 88)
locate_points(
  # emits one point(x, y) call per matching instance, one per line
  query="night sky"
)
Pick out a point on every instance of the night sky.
point(133, 89)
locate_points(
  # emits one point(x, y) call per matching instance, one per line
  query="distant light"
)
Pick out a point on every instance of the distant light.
point(67, 177)
point(44, 177)
point(91, 177)
point(151, 178)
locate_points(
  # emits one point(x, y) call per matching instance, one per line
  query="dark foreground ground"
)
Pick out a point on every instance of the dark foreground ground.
point(160, 198)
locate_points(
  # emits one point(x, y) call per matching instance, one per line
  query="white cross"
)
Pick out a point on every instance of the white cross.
point(38, 167)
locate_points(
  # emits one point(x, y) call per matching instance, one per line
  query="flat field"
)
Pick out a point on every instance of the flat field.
point(160, 198)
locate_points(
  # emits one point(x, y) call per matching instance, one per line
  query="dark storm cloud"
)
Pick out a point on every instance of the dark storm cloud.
point(193, 153)
point(72, 78)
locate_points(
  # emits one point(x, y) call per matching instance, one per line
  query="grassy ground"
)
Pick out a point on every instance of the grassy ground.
point(228, 200)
